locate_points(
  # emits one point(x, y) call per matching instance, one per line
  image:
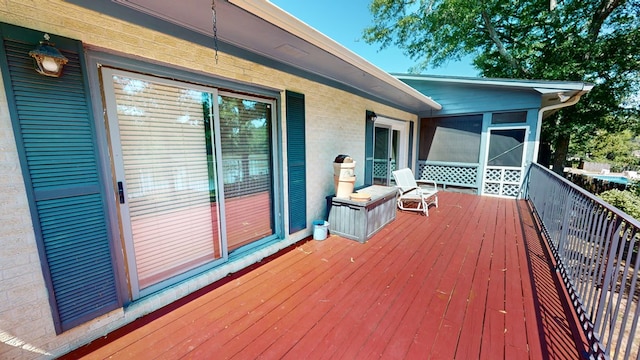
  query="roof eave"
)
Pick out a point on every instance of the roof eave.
point(282, 19)
point(541, 86)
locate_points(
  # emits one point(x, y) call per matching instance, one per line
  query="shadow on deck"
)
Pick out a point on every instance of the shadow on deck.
point(473, 280)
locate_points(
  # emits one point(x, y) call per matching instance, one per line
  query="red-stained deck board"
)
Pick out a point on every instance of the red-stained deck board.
point(491, 265)
point(462, 293)
point(397, 295)
point(292, 284)
point(353, 309)
point(339, 289)
point(375, 295)
point(434, 333)
point(398, 324)
point(516, 345)
point(469, 343)
point(472, 280)
point(314, 304)
point(318, 303)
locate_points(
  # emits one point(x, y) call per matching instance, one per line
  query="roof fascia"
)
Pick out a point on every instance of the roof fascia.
point(543, 87)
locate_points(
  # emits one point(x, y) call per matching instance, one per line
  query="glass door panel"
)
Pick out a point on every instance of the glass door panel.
point(395, 152)
point(162, 149)
point(381, 155)
point(245, 132)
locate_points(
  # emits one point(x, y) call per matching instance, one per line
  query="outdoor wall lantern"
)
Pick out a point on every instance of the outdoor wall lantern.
point(373, 116)
point(48, 60)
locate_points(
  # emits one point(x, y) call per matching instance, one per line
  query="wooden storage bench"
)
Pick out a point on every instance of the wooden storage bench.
point(359, 220)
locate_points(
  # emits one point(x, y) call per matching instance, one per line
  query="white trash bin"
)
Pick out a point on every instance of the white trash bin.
point(320, 229)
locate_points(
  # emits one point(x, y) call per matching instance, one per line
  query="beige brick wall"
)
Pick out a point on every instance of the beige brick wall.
point(335, 126)
point(25, 316)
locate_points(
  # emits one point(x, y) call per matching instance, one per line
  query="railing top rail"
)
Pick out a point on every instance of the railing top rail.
point(448, 163)
point(623, 216)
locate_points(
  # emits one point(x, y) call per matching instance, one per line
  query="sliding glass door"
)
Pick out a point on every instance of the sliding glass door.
point(192, 174)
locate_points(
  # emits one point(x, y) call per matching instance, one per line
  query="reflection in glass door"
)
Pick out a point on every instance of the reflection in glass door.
point(245, 129)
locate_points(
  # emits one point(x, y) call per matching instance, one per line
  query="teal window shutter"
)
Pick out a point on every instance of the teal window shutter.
point(368, 149)
point(296, 165)
point(55, 134)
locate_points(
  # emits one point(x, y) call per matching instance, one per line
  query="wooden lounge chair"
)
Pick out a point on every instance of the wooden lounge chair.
point(415, 195)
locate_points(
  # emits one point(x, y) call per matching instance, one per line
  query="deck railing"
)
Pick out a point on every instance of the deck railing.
point(449, 174)
point(595, 246)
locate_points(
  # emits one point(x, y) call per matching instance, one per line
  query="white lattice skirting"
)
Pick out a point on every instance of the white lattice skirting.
point(449, 174)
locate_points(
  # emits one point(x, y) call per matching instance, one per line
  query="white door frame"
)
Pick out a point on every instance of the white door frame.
point(403, 139)
point(505, 180)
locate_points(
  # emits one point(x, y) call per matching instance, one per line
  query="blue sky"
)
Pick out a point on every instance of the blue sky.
point(344, 21)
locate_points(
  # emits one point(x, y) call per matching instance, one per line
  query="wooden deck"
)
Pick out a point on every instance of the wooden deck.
point(471, 281)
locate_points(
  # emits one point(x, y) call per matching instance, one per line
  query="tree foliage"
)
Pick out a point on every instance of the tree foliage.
point(244, 126)
point(590, 41)
point(613, 148)
point(626, 201)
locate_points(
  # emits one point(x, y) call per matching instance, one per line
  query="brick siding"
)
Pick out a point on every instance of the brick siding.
point(335, 126)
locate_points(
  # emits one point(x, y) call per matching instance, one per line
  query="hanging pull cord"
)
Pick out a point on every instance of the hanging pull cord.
point(215, 29)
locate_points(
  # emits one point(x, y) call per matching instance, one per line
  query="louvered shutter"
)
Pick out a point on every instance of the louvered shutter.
point(296, 166)
point(56, 139)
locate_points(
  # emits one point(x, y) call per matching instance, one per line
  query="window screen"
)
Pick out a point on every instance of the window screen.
point(513, 117)
point(506, 147)
point(451, 139)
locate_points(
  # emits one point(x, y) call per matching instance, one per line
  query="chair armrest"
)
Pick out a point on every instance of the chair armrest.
point(432, 184)
point(407, 190)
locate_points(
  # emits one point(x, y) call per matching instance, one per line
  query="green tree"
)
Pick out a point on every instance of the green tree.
point(614, 148)
point(626, 201)
point(590, 41)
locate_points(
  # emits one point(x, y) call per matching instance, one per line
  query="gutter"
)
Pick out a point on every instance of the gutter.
point(570, 102)
point(541, 86)
point(287, 22)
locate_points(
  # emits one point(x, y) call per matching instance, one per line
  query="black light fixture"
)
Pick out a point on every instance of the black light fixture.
point(48, 60)
point(372, 116)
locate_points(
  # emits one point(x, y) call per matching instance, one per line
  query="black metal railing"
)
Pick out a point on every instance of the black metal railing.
point(595, 246)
